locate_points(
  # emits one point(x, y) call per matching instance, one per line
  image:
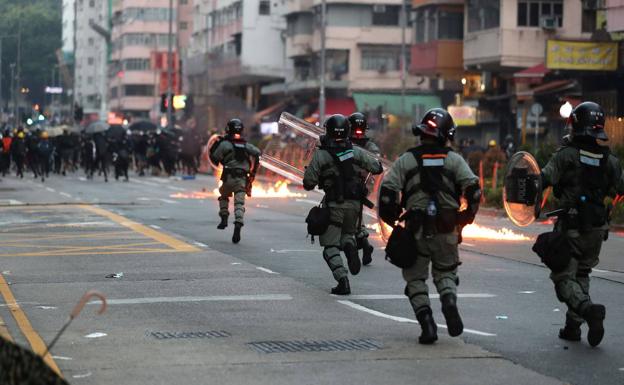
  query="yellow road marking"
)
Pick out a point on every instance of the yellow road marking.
point(35, 341)
point(132, 251)
point(170, 241)
point(4, 331)
point(57, 236)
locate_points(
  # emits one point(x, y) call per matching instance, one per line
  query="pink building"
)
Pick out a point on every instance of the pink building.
point(138, 67)
point(615, 15)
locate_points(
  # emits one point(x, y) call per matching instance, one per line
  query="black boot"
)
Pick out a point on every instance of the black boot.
point(594, 315)
point(237, 232)
point(451, 314)
point(367, 252)
point(429, 328)
point(224, 222)
point(353, 260)
point(342, 288)
point(571, 331)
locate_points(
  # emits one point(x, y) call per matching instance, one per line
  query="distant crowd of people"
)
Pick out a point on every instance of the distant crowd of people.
point(154, 151)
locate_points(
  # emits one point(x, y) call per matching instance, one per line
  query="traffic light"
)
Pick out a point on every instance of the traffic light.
point(78, 113)
point(188, 109)
point(164, 102)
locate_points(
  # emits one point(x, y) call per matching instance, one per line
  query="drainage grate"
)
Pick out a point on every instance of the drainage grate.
point(189, 335)
point(315, 346)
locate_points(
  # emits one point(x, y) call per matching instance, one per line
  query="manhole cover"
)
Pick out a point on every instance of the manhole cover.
point(189, 335)
point(315, 346)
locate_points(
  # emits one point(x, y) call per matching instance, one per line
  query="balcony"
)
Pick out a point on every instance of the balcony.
point(422, 3)
point(443, 57)
point(499, 47)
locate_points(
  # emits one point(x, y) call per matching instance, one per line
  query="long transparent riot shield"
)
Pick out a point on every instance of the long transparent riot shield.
point(522, 193)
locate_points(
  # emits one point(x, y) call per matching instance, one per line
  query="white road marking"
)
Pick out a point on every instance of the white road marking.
point(214, 298)
point(315, 203)
point(82, 179)
point(200, 244)
point(88, 374)
point(284, 251)
point(405, 320)
point(10, 202)
point(262, 206)
point(50, 189)
point(96, 335)
point(65, 194)
point(160, 180)
point(266, 270)
point(61, 358)
point(144, 183)
point(236, 263)
point(155, 227)
point(468, 244)
point(46, 307)
point(402, 296)
point(143, 199)
point(526, 292)
point(168, 201)
point(175, 188)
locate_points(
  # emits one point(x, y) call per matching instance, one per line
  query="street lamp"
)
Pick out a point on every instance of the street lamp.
point(565, 110)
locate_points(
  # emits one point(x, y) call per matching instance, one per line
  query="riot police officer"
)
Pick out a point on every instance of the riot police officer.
point(240, 162)
point(582, 174)
point(359, 126)
point(427, 182)
point(332, 168)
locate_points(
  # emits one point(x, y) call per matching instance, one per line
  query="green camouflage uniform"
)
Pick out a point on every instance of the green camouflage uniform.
point(562, 172)
point(344, 216)
point(234, 177)
point(441, 249)
point(372, 147)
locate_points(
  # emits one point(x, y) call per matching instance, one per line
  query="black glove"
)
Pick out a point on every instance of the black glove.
point(389, 210)
point(465, 218)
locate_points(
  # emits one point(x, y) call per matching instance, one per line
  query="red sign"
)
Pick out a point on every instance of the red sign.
point(159, 60)
point(175, 77)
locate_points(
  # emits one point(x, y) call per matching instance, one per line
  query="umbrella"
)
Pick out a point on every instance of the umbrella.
point(19, 366)
point(143, 125)
point(116, 131)
point(97, 126)
point(54, 131)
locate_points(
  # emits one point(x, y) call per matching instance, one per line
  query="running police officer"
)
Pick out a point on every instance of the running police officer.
point(427, 182)
point(582, 174)
point(240, 162)
point(332, 168)
point(359, 126)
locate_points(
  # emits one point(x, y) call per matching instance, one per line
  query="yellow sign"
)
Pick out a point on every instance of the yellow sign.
point(463, 115)
point(582, 55)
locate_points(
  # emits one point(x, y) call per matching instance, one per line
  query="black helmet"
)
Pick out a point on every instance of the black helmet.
point(437, 123)
point(359, 125)
point(337, 127)
point(234, 126)
point(588, 119)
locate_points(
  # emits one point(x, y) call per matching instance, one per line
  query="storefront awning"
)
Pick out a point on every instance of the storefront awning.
point(391, 103)
point(533, 74)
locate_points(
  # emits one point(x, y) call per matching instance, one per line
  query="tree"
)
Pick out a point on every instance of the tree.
point(40, 25)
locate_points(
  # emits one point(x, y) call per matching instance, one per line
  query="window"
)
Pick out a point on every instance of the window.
point(91, 41)
point(450, 25)
point(90, 61)
point(114, 92)
point(386, 14)
point(432, 23)
point(264, 7)
point(531, 13)
point(147, 14)
point(382, 59)
point(419, 20)
point(136, 64)
point(483, 14)
point(91, 3)
point(183, 2)
point(183, 25)
point(588, 19)
point(138, 90)
point(90, 80)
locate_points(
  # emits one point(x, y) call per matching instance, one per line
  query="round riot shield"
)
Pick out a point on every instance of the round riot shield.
point(523, 189)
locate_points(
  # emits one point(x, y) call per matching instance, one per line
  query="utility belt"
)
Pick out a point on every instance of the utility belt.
point(444, 222)
point(584, 218)
point(234, 173)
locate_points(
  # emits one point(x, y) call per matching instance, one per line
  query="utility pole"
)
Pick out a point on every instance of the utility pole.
point(323, 53)
point(13, 90)
point(403, 55)
point(19, 66)
point(170, 69)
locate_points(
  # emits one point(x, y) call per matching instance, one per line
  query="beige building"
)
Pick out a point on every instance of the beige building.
point(138, 68)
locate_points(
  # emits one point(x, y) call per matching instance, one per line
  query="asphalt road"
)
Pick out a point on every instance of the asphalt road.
point(191, 307)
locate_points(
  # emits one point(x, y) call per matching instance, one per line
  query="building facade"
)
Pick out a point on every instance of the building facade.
point(90, 57)
point(137, 72)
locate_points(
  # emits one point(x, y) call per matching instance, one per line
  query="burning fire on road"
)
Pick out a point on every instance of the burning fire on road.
point(473, 231)
point(279, 189)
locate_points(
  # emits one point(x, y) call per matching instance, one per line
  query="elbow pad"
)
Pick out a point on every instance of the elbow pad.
point(308, 186)
point(389, 210)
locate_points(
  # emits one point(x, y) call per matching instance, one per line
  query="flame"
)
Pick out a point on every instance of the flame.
point(475, 231)
point(278, 190)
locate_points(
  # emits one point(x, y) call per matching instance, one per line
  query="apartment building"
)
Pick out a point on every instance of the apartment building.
point(236, 48)
point(363, 60)
point(137, 73)
point(90, 55)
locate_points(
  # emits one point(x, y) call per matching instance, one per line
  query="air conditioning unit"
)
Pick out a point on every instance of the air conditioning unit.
point(549, 22)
